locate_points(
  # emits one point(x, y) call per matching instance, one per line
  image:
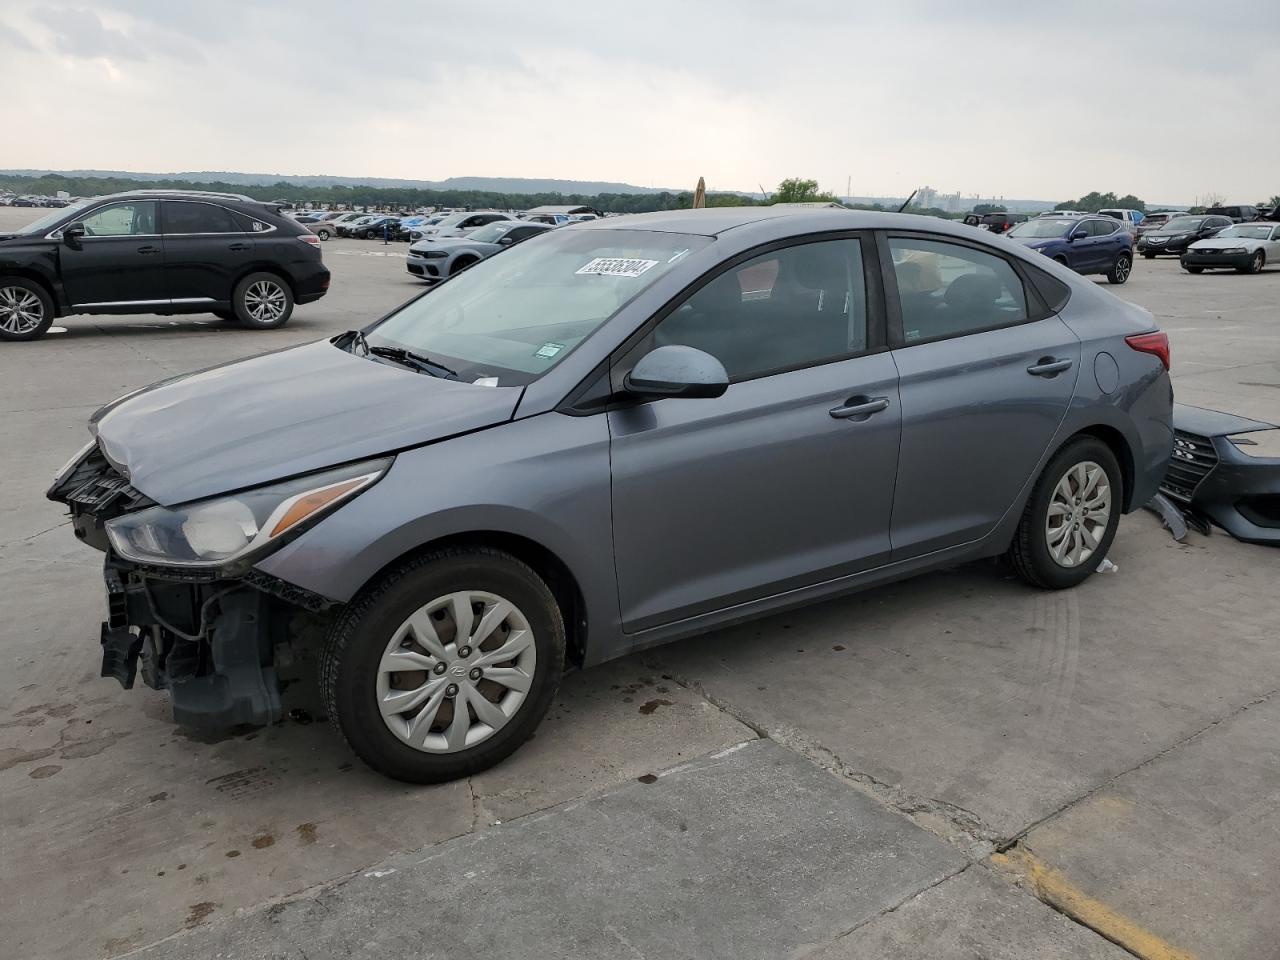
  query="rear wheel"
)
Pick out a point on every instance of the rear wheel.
point(1070, 520)
point(323, 234)
point(262, 301)
point(26, 309)
point(1120, 270)
point(445, 666)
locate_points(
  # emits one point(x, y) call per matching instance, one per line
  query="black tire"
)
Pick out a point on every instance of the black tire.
point(1148, 256)
point(246, 298)
point(323, 234)
point(1255, 265)
point(1029, 551)
point(358, 639)
point(1063, 261)
point(16, 308)
point(226, 316)
point(1191, 269)
point(461, 264)
point(1121, 269)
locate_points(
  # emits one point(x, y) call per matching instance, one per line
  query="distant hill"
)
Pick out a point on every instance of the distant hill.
point(488, 184)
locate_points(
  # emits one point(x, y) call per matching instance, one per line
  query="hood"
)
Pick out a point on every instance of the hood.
point(1214, 423)
point(306, 408)
point(1223, 243)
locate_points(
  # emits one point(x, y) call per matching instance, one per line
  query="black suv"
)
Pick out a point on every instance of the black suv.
point(159, 251)
point(1001, 222)
point(1238, 213)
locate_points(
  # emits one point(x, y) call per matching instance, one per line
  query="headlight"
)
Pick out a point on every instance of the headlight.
point(1259, 443)
point(1229, 249)
point(234, 530)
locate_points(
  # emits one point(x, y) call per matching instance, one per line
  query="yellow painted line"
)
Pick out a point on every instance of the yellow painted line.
point(1055, 889)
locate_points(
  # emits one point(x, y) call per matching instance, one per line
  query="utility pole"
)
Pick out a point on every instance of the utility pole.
point(848, 186)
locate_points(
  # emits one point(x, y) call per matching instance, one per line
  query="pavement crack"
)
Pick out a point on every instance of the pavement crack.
point(475, 804)
point(1021, 835)
point(951, 822)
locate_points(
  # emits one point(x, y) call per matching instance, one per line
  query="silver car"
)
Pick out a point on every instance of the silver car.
point(435, 258)
point(458, 224)
point(622, 434)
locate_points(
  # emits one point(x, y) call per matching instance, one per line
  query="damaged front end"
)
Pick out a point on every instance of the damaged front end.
point(1226, 469)
point(186, 608)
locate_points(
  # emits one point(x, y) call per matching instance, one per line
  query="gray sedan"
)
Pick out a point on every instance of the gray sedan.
point(623, 434)
point(435, 258)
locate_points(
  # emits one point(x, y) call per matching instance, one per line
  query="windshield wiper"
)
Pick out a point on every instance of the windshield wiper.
point(409, 359)
point(356, 339)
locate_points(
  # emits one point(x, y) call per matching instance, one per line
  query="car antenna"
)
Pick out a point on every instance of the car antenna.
point(907, 202)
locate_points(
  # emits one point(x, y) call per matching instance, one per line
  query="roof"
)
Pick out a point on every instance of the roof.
point(712, 221)
point(184, 193)
point(812, 204)
point(563, 209)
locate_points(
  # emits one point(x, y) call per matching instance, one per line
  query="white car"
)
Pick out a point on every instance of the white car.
point(459, 224)
point(1247, 247)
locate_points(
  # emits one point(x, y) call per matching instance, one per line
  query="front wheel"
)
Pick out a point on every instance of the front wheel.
point(1120, 270)
point(26, 309)
point(1191, 269)
point(1255, 264)
point(262, 301)
point(1148, 256)
point(1071, 518)
point(445, 666)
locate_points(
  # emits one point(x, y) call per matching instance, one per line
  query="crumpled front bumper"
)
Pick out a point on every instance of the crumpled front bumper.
point(1212, 476)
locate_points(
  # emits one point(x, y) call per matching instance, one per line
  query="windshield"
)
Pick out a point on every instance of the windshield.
point(1182, 224)
point(45, 223)
point(490, 232)
point(514, 316)
point(1248, 231)
point(1043, 228)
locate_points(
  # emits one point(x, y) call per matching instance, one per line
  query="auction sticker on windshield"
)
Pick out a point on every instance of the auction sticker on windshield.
point(617, 266)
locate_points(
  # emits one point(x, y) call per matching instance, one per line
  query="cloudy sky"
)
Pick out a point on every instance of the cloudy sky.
point(1015, 99)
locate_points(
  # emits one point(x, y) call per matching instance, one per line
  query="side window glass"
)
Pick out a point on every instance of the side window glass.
point(188, 217)
point(122, 220)
point(947, 290)
point(798, 306)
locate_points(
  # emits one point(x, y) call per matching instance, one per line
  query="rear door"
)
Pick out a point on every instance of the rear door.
point(986, 376)
point(206, 250)
point(118, 266)
point(787, 478)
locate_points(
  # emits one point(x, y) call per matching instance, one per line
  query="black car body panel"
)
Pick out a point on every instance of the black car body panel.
point(1214, 477)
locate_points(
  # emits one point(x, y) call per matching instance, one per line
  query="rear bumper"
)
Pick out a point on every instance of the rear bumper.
point(310, 280)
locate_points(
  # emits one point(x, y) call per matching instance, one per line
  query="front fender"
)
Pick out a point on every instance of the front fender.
point(544, 479)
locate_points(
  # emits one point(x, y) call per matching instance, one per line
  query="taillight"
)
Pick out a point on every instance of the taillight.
point(310, 238)
point(1156, 344)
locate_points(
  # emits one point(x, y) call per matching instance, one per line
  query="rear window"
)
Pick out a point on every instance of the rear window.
point(1113, 214)
point(994, 217)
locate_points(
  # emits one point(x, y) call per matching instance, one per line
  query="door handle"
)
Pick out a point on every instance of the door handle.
point(148, 248)
point(238, 247)
point(860, 407)
point(1048, 367)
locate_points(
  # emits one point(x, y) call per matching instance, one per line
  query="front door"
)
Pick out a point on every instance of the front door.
point(787, 478)
point(205, 251)
point(986, 379)
point(118, 266)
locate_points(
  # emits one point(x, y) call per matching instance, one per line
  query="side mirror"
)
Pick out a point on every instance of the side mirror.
point(73, 233)
point(1074, 235)
point(677, 371)
point(506, 241)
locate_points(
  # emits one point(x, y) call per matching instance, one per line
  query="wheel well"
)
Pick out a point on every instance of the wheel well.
point(38, 279)
point(554, 572)
point(1115, 440)
point(462, 262)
